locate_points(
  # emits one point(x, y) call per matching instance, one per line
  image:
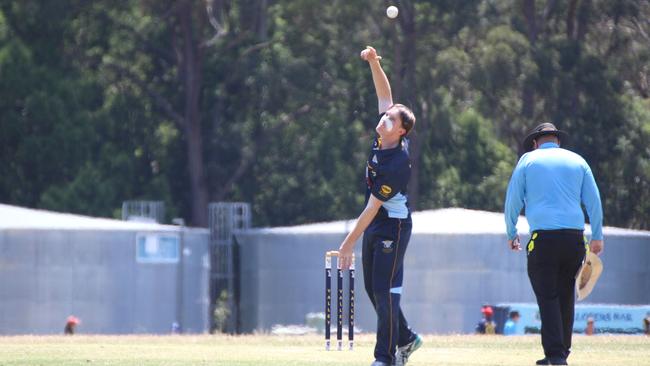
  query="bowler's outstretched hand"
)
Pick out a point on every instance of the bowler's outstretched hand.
point(369, 54)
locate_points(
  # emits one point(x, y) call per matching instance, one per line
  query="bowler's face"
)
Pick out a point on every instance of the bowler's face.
point(390, 125)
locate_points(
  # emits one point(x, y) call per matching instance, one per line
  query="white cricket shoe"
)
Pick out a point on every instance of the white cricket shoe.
point(379, 363)
point(403, 353)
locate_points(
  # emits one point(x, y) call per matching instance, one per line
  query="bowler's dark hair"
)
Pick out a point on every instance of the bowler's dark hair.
point(407, 117)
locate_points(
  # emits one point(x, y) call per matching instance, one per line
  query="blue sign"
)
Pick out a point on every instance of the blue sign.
point(621, 319)
point(157, 248)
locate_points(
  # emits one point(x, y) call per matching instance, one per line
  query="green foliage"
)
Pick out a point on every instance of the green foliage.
point(474, 168)
point(287, 109)
point(221, 313)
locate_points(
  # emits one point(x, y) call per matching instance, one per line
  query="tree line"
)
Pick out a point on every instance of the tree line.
point(267, 101)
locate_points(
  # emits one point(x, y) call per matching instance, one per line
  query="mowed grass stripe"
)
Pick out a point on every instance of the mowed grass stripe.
point(305, 350)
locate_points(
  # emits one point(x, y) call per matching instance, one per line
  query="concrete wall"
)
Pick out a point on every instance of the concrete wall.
point(447, 278)
point(46, 275)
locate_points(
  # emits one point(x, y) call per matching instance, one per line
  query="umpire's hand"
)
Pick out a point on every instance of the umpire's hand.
point(514, 244)
point(596, 246)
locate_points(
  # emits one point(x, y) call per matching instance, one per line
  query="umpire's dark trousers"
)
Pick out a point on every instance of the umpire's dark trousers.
point(384, 245)
point(554, 258)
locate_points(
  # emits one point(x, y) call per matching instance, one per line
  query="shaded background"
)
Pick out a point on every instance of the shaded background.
point(267, 102)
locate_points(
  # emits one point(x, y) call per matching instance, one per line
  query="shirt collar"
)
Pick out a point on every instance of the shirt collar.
point(548, 145)
point(377, 147)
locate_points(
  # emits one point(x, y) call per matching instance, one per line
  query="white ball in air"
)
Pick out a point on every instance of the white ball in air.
point(392, 12)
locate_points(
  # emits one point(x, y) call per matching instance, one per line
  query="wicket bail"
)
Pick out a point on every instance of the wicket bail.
point(339, 302)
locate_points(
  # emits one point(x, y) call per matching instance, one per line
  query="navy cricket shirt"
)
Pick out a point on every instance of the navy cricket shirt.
point(387, 175)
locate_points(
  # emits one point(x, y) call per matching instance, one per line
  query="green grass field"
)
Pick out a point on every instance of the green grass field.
point(304, 350)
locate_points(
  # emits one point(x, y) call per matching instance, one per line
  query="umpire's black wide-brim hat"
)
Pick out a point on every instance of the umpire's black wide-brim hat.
point(545, 128)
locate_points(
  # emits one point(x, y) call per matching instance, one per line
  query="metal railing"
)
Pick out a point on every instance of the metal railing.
point(151, 211)
point(225, 219)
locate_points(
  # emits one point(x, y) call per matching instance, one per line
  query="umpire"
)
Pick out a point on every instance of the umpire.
point(552, 183)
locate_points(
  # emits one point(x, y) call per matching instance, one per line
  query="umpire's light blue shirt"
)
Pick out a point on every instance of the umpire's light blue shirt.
point(552, 182)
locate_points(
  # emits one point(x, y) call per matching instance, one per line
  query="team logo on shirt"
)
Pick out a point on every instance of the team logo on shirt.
point(388, 246)
point(385, 190)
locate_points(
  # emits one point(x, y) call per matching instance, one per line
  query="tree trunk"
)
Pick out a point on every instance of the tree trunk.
point(531, 21)
point(528, 90)
point(190, 74)
point(571, 19)
point(253, 18)
point(406, 92)
point(584, 15)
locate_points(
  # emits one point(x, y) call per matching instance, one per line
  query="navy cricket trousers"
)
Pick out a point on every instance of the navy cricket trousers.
point(384, 244)
point(554, 258)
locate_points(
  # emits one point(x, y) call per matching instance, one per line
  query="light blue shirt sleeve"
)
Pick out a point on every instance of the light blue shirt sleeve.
point(510, 328)
point(515, 198)
point(591, 199)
